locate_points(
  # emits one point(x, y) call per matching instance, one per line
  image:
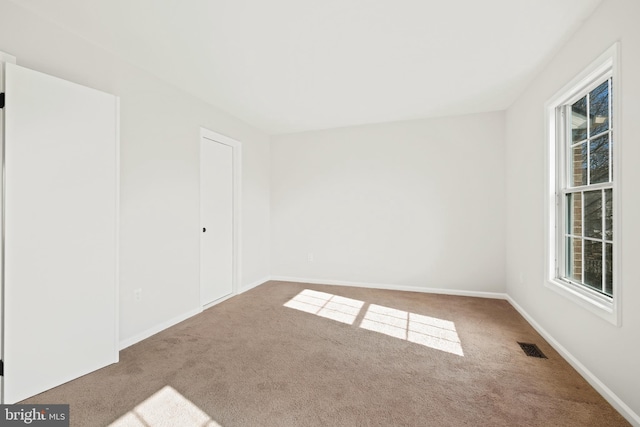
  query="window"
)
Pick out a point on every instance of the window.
point(582, 197)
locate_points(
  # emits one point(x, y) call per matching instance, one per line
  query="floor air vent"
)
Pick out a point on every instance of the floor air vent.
point(531, 350)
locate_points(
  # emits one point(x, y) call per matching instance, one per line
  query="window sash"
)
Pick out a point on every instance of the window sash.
point(565, 187)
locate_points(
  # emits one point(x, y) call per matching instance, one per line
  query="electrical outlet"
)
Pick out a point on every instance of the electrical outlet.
point(137, 295)
point(310, 257)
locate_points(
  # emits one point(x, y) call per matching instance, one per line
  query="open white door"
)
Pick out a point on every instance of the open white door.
point(60, 232)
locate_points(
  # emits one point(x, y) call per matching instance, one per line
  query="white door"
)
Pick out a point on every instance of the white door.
point(60, 232)
point(217, 220)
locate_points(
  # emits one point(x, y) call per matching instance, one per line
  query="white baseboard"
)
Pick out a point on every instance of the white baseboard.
point(218, 301)
point(252, 285)
point(595, 382)
point(494, 295)
point(158, 328)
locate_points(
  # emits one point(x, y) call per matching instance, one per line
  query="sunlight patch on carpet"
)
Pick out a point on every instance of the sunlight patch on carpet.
point(326, 305)
point(429, 331)
point(166, 408)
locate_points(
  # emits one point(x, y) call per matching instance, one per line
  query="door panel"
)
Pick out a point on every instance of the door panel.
point(60, 236)
point(216, 204)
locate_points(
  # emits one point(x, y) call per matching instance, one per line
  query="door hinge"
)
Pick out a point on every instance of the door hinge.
point(1, 100)
point(1, 368)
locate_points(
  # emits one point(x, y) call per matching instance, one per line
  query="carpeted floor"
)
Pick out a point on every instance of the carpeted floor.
point(291, 354)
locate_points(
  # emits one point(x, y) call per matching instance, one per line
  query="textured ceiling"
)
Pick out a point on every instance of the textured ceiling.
point(295, 65)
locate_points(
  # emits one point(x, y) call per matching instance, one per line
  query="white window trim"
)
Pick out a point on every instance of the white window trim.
point(605, 65)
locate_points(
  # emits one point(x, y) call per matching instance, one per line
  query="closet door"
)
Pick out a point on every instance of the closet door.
point(216, 216)
point(60, 232)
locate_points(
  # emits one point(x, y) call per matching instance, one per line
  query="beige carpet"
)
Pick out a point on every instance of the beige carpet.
point(290, 354)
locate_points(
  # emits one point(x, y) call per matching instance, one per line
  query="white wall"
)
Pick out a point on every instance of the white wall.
point(160, 128)
point(410, 204)
point(608, 352)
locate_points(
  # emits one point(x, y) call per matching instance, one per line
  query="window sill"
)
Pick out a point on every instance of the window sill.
point(596, 304)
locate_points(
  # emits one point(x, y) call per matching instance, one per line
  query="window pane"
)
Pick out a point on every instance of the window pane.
point(599, 159)
point(574, 217)
point(593, 214)
point(578, 169)
point(599, 109)
point(608, 282)
point(579, 120)
point(574, 259)
point(608, 212)
point(593, 264)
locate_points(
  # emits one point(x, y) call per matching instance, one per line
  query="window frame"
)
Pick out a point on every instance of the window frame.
point(558, 141)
